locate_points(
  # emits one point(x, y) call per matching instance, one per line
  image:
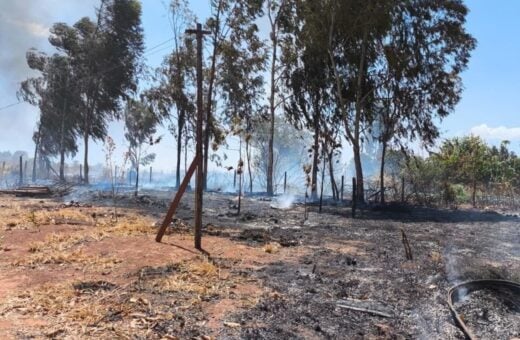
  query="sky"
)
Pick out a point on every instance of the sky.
point(490, 105)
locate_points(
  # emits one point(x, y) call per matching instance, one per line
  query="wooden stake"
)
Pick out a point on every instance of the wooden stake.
point(150, 174)
point(285, 182)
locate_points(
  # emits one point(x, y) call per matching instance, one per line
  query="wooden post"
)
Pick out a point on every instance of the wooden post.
point(199, 180)
point(234, 180)
point(21, 171)
point(402, 189)
point(150, 174)
point(354, 197)
point(342, 185)
point(81, 173)
point(285, 182)
point(176, 200)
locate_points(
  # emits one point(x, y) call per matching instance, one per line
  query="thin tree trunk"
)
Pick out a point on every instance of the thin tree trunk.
point(382, 173)
point(136, 180)
point(315, 159)
point(240, 170)
point(62, 165)
point(36, 154)
point(209, 107)
point(270, 151)
point(186, 151)
point(322, 181)
point(85, 159)
point(334, 186)
point(180, 126)
point(357, 121)
point(248, 155)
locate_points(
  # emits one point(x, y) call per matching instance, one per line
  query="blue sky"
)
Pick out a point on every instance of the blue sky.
point(490, 105)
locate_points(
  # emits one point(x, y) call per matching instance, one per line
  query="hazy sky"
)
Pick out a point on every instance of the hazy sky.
point(490, 106)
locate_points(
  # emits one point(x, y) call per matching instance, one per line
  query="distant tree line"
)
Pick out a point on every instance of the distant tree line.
point(341, 71)
point(462, 170)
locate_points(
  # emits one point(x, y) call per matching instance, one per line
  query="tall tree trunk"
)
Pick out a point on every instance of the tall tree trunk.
point(211, 82)
point(36, 154)
point(358, 120)
point(334, 186)
point(270, 151)
point(62, 142)
point(360, 192)
point(248, 156)
point(180, 127)
point(315, 158)
point(186, 150)
point(382, 172)
point(62, 165)
point(85, 159)
point(136, 180)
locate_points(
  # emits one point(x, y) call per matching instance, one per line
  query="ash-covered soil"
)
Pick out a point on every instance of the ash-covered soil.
point(270, 275)
point(491, 313)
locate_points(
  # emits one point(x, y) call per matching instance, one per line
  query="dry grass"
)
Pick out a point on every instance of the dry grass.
point(198, 279)
point(53, 256)
point(271, 248)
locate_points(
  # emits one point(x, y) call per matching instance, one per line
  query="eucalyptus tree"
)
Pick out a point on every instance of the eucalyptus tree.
point(228, 19)
point(140, 129)
point(241, 65)
point(306, 77)
point(105, 57)
point(59, 104)
point(422, 57)
point(175, 81)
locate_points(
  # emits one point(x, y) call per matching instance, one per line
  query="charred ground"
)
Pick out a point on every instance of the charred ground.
point(71, 269)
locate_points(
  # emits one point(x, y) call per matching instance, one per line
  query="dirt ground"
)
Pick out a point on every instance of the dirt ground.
point(83, 269)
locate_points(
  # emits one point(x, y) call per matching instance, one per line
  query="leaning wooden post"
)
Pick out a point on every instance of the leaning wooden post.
point(342, 185)
point(199, 180)
point(285, 182)
point(177, 199)
point(21, 171)
point(354, 198)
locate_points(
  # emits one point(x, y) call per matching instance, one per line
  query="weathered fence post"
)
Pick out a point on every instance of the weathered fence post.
point(150, 174)
point(235, 180)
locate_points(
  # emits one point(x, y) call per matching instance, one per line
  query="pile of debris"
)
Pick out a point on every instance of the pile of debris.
point(56, 190)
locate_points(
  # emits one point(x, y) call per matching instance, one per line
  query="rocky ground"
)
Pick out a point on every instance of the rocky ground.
point(83, 269)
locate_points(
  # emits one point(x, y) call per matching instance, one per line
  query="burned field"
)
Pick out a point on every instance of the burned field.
point(72, 270)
